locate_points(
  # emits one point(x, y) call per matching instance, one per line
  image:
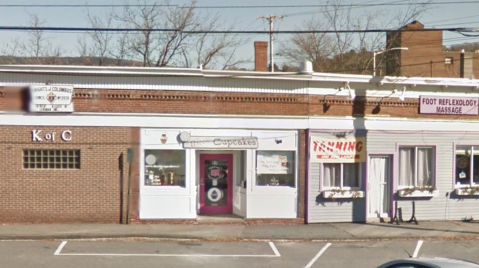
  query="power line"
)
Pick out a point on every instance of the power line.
point(85, 29)
point(233, 6)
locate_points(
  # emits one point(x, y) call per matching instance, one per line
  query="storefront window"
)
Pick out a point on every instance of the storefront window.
point(337, 175)
point(467, 165)
point(165, 168)
point(275, 168)
point(416, 167)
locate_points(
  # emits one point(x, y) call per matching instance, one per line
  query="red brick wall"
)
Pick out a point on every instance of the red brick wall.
point(88, 194)
point(425, 56)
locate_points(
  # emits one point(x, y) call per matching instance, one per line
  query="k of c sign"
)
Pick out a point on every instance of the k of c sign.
point(38, 135)
point(340, 150)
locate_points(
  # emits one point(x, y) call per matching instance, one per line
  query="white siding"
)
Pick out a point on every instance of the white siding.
point(331, 210)
point(447, 206)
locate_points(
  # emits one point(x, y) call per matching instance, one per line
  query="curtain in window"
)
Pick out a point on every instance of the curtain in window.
point(406, 167)
point(332, 175)
point(351, 175)
point(425, 167)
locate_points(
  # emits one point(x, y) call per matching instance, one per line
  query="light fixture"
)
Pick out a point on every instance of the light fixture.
point(403, 94)
point(185, 136)
point(382, 51)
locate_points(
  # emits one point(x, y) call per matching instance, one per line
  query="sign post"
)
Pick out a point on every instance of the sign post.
point(130, 158)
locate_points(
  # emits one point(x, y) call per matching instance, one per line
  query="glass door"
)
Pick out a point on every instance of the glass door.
point(216, 183)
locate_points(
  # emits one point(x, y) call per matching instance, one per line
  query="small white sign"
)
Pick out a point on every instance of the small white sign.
point(274, 162)
point(48, 98)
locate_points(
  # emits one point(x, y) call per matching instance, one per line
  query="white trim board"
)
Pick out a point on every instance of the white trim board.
point(239, 122)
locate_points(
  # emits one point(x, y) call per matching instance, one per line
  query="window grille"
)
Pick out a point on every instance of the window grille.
point(51, 159)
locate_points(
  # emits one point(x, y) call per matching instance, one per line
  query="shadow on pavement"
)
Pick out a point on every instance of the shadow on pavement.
point(415, 227)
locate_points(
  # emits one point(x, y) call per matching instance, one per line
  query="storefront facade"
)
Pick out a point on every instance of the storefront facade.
point(146, 145)
point(371, 168)
point(150, 145)
point(191, 172)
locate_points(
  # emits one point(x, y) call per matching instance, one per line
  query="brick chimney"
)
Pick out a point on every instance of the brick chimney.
point(261, 56)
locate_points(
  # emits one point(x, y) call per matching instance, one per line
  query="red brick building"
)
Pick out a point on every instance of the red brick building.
point(425, 56)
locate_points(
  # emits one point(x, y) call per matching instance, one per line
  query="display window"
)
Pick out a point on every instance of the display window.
point(467, 165)
point(341, 175)
point(275, 168)
point(165, 167)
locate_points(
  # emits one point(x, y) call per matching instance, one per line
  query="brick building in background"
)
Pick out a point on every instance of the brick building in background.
point(425, 56)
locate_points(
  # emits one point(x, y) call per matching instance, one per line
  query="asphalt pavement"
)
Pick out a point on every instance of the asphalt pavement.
point(426, 230)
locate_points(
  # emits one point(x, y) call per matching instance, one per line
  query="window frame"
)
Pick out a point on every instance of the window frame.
point(342, 187)
point(31, 160)
point(416, 147)
point(165, 186)
point(471, 168)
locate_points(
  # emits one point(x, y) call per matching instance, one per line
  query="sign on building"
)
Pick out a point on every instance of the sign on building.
point(340, 150)
point(206, 142)
point(448, 105)
point(48, 98)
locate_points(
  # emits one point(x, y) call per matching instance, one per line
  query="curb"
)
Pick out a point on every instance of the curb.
point(224, 238)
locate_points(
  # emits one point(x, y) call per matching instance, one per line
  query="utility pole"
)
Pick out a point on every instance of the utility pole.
point(271, 19)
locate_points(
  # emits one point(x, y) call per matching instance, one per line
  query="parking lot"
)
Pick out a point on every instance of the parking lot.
point(224, 254)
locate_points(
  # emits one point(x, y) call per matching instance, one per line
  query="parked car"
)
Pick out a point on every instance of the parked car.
point(435, 262)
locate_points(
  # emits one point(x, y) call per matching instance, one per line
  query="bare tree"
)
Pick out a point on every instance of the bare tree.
point(38, 45)
point(175, 46)
point(158, 48)
point(315, 47)
point(347, 52)
point(101, 40)
point(216, 50)
point(11, 51)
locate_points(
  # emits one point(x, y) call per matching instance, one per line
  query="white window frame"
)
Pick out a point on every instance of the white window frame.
point(471, 168)
point(341, 172)
point(416, 147)
point(166, 186)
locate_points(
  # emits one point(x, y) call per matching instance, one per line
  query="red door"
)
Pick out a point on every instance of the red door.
point(216, 183)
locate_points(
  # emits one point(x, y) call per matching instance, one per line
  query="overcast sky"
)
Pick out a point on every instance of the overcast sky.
point(458, 14)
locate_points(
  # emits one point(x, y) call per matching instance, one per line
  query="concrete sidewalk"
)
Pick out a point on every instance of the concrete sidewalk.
point(312, 232)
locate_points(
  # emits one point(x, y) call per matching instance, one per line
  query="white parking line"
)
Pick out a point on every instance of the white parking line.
point(418, 246)
point(275, 250)
point(60, 248)
point(317, 256)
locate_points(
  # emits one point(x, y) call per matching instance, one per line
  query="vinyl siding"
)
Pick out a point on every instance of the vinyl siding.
point(331, 210)
point(447, 206)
